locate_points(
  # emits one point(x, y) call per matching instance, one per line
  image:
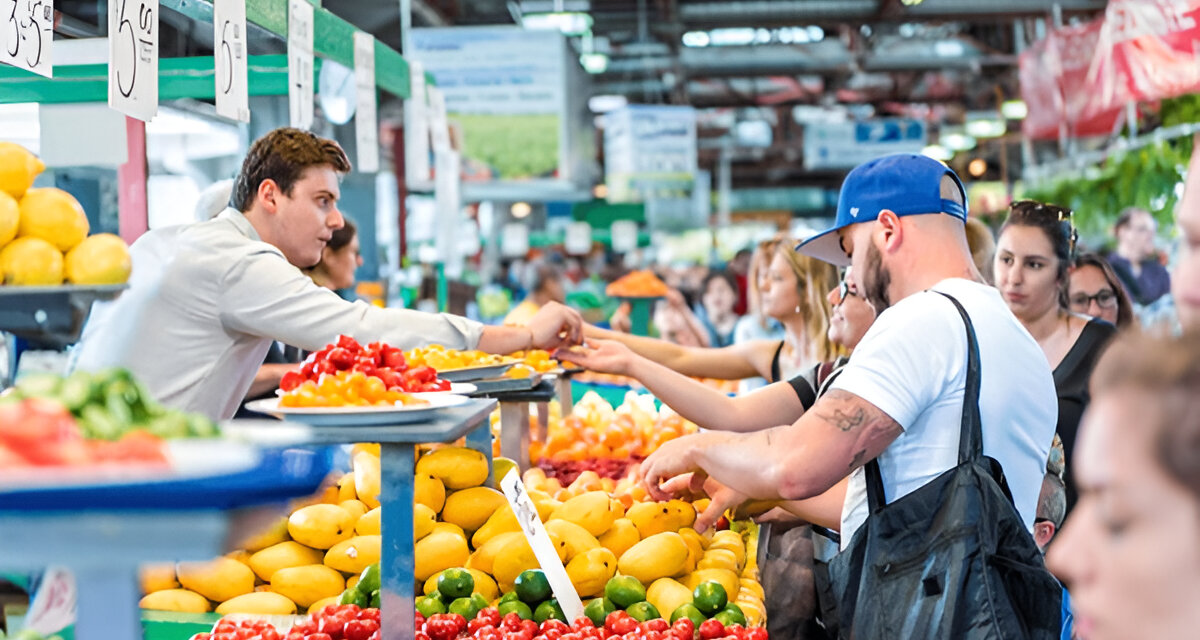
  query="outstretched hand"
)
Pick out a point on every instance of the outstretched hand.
point(556, 325)
point(605, 356)
point(699, 485)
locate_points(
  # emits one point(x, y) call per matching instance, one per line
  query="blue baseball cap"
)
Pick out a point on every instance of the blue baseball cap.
point(904, 183)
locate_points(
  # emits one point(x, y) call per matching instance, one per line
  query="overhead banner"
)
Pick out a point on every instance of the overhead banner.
point(1054, 85)
point(845, 145)
point(650, 153)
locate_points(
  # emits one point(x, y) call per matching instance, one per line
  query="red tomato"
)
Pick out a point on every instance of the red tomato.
point(683, 629)
point(711, 629)
point(359, 630)
point(552, 634)
point(619, 622)
point(324, 367)
point(555, 624)
point(756, 633)
point(226, 635)
point(341, 358)
point(530, 626)
point(489, 614)
point(657, 624)
point(202, 636)
point(582, 623)
point(318, 636)
point(291, 380)
point(421, 635)
point(489, 633)
point(393, 358)
point(423, 373)
point(511, 622)
point(348, 343)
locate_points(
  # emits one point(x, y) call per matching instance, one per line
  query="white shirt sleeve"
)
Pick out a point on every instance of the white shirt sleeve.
point(902, 362)
point(263, 294)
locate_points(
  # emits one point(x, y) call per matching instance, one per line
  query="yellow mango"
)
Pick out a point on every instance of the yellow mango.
point(281, 556)
point(593, 511)
point(694, 539)
point(355, 554)
point(500, 468)
point(356, 508)
point(305, 585)
point(368, 524)
point(456, 467)
point(352, 580)
point(485, 556)
point(591, 570)
point(424, 520)
point(731, 542)
point(217, 580)
point(752, 587)
point(321, 525)
point(545, 506)
point(471, 508)
point(653, 517)
point(448, 527)
point(683, 514)
point(438, 551)
point(261, 603)
point(179, 600)
point(659, 556)
point(620, 537)
point(728, 579)
point(667, 594)
point(366, 478)
point(429, 491)
point(322, 603)
point(345, 487)
point(718, 558)
point(157, 577)
point(272, 535)
point(502, 520)
point(516, 557)
point(575, 540)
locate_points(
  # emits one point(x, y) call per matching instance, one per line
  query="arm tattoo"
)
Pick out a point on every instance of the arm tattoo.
point(846, 420)
point(857, 460)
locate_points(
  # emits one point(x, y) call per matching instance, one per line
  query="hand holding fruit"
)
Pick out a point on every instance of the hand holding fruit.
point(605, 356)
point(555, 325)
point(673, 458)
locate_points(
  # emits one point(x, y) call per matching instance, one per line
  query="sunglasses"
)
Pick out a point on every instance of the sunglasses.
point(1061, 214)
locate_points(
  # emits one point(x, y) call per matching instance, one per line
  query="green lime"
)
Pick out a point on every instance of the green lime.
point(547, 610)
point(429, 605)
point(624, 591)
point(517, 607)
point(642, 611)
point(532, 587)
point(456, 583)
point(368, 581)
point(375, 599)
point(690, 612)
point(709, 597)
point(480, 601)
point(353, 596)
point(509, 597)
point(731, 614)
point(598, 609)
point(464, 607)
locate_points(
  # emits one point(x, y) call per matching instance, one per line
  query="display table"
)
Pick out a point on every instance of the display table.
point(514, 418)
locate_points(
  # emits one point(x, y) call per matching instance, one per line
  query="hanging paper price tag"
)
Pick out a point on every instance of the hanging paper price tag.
point(624, 236)
point(300, 63)
point(366, 126)
point(578, 240)
point(439, 128)
point(133, 57)
point(229, 36)
point(542, 545)
point(27, 34)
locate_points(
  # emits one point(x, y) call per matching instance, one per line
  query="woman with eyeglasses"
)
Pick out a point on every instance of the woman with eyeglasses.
point(1095, 291)
point(1033, 255)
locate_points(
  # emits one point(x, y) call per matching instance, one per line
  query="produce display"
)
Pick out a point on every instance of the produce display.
point(637, 284)
point(443, 359)
point(328, 376)
point(332, 622)
point(44, 232)
point(35, 432)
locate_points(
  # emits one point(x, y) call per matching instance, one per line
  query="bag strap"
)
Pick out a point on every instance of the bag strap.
point(970, 439)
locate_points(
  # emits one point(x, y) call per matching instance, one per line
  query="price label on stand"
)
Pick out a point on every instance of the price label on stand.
point(366, 126)
point(300, 63)
point(543, 547)
point(27, 35)
point(578, 240)
point(133, 57)
point(229, 34)
point(439, 127)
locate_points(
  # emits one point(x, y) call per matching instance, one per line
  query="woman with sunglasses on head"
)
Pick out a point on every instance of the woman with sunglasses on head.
point(1095, 291)
point(1033, 255)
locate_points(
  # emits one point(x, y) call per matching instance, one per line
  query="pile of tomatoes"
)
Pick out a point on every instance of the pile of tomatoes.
point(334, 622)
point(376, 360)
point(488, 625)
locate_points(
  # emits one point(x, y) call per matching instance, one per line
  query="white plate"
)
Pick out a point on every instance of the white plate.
point(460, 388)
point(188, 458)
point(475, 373)
point(360, 416)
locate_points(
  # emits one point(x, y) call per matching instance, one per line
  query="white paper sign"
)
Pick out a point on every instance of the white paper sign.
point(416, 127)
point(439, 129)
point(27, 34)
point(514, 239)
point(543, 547)
point(448, 198)
point(366, 125)
point(578, 239)
point(624, 236)
point(300, 63)
point(133, 57)
point(229, 34)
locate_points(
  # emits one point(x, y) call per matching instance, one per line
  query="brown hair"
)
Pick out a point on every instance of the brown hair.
point(282, 156)
point(982, 244)
point(342, 237)
point(1168, 369)
point(816, 278)
point(1055, 222)
point(1124, 306)
point(760, 260)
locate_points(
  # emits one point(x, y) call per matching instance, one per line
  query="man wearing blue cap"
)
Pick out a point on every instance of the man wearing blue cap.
point(900, 223)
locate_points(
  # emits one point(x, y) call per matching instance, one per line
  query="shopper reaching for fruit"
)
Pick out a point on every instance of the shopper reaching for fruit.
point(206, 299)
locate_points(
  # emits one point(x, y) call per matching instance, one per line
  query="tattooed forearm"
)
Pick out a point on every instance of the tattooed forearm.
point(845, 420)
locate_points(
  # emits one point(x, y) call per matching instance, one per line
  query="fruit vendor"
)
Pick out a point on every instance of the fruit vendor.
point(206, 299)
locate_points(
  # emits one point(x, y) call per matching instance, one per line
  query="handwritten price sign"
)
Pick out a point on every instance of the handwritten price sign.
point(27, 34)
point(366, 125)
point(229, 34)
point(133, 57)
point(300, 63)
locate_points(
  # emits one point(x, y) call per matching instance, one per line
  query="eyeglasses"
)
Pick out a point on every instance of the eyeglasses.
point(1105, 299)
point(844, 290)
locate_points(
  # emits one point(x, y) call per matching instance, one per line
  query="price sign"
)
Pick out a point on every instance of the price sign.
point(229, 34)
point(448, 199)
point(624, 236)
point(416, 127)
point(366, 125)
point(300, 63)
point(133, 57)
point(27, 34)
point(437, 120)
point(578, 240)
point(543, 547)
point(514, 240)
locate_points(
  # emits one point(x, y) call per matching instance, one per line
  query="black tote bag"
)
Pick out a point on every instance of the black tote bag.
point(952, 559)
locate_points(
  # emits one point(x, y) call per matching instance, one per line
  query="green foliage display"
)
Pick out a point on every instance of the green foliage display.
point(510, 147)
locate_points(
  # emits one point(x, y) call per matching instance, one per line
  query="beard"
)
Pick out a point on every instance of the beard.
point(876, 279)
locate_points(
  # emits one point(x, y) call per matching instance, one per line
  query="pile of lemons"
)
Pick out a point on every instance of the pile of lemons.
point(44, 232)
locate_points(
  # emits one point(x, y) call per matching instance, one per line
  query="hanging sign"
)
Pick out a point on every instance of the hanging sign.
point(27, 35)
point(578, 240)
point(514, 240)
point(438, 127)
point(448, 201)
point(133, 57)
point(542, 545)
point(624, 236)
point(300, 63)
point(366, 126)
point(416, 127)
point(229, 34)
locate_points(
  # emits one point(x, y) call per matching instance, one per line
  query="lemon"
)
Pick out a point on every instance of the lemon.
point(31, 262)
point(18, 168)
point(99, 259)
point(10, 217)
point(53, 215)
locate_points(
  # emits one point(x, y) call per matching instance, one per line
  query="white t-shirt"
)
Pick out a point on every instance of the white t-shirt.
point(912, 365)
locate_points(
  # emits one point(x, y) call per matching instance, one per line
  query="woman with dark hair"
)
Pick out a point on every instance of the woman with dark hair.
point(339, 259)
point(1033, 256)
point(1096, 291)
point(1131, 550)
point(718, 297)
